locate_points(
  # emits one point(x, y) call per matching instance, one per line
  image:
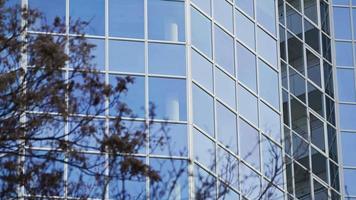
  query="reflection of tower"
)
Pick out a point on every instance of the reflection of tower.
point(171, 30)
point(172, 107)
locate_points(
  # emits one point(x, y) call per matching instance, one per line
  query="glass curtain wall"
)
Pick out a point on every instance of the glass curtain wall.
point(312, 163)
point(344, 15)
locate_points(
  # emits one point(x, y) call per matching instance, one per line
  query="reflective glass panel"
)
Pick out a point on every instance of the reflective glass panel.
point(269, 87)
point(245, 29)
point(168, 59)
point(270, 122)
point(205, 184)
point(312, 35)
point(350, 177)
point(126, 56)
point(205, 5)
point(204, 150)
point(248, 105)
point(266, 14)
point(166, 20)
point(224, 50)
point(347, 116)
point(226, 127)
point(93, 13)
point(246, 5)
point(272, 161)
point(203, 110)
point(225, 88)
point(343, 26)
point(227, 167)
point(348, 148)
point(346, 84)
point(201, 65)
point(294, 22)
point(246, 67)
point(126, 18)
point(249, 144)
point(168, 139)
point(223, 14)
point(170, 104)
point(251, 182)
point(174, 177)
point(343, 53)
point(201, 39)
point(49, 9)
point(134, 97)
point(98, 52)
point(267, 47)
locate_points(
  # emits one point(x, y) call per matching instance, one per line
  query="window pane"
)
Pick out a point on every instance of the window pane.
point(313, 66)
point(174, 179)
point(317, 132)
point(294, 22)
point(334, 176)
point(134, 97)
point(270, 122)
point(204, 150)
point(225, 88)
point(269, 87)
point(249, 144)
point(170, 103)
point(330, 110)
point(299, 118)
point(246, 6)
point(302, 182)
point(300, 150)
point(266, 14)
point(296, 84)
point(246, 67)
point(348, 148)
point(312, 35)
point(319, 164)
point(224, 48)
point(295, 53)
point(248, 105)
point(343, 53)
point(328, 79)
point(347, 116)
point(201, 65)
point(226, 127)
point(320, 192)
point(168, 59)
point(311, 10)
point(92, 12)
point(126, 18)
point(126, 56)
point(346, 84)
point(223, 14)
point(201, 32)
point(245, 29)
point(166, 20)
point(332, 143)
point(49, 9)
point(272, 161)
point(203, 110)
point(267, 47)
point(168, 139)
point(342, 26)
point(315, 99)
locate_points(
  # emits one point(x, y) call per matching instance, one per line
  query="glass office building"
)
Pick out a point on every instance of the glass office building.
point(256, 93)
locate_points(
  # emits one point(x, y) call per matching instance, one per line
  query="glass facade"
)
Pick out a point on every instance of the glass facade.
point(245, 88)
